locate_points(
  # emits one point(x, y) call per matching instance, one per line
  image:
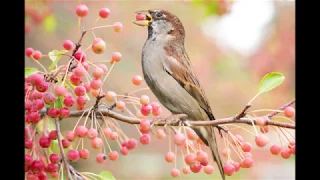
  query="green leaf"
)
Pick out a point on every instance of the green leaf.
point(58, 103)
point(29, 71)
point(105, 175)
point(50, 23)
point(55, 56)
point(270, 81)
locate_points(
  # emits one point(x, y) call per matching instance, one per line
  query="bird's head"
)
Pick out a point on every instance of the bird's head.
point(161, 22)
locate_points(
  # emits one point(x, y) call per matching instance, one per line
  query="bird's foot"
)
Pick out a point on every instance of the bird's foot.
point(221, 128)
point(173, 119)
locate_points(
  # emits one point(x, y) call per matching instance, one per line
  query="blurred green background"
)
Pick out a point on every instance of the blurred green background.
point(232, 45)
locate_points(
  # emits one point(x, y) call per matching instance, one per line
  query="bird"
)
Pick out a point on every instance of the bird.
point(169, 74)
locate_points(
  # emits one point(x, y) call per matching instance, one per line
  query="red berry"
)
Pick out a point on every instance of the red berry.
point(80, 56)
point(84, 153)
point(42, 86)
point(140, 16)
point(28, 159)
point(54, 158)
point(114, 155)
point(170, 157)
point(34, 117)
point(98, 46)
point(82, 10)
point(261, 140)
point(35, 79)
point(204, 163)
point(31, 176)
point(79, 71)
point(293, 150)
point(289, 112)
point(75, 80)
point(44, 141)
point(73, 155)
point(145, 124)
point(124, 151)
point(196, 167)
point(285, 153)
point(38, 104)
point(179, 139)
point(65, 143)
point(53, 112)
point(228, 169)
point(54, 175)
point(69, 101)
point(29, 52)
point(28, 143)
point(146, 109)
point(37, 55)
point(117, 27)
point(64, 112)
point(37, 166)
point(175, 172)
point(68, 45)
point(42, 176)
point(49, 98)
point(81, 100)
point(53, 135)
point(104, 12)
point(246, 162)
point(80, 90)
point(52, 168)
point(132, 143)
point(101, 157)
point(246, 147)
point(145, 139)
point(236, 166)
point(275, 149)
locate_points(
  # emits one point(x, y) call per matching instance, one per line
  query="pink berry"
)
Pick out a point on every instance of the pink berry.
point(80, 90)
point(104, 68)
point(98, 46)
point(144, 131)
point(37, 166)
point(136, 80)
point(161, 134)
point(54, 158)
point(43, 176)
point(73, 155)
point(75, 80)
point(120, 105)
point(264, 129)
point(285, 153)
point(236, 166)
point(64, 112)
point(69, 101)
point(80, 56)
point(113, 135)
point(145, 124)
point(68, 45)
point(124, 151)
point(85, 65)
point(238, 140)
point(186, 170)
point(92, 133)
point(42, 86)
point(179, 139)
point(191, 134)
point(175, 172)
point(31, 176)
point(145, 139)
point(38, 104)
point(34, 117)
point(60, 90)
point(81, 131)
point(246, 162)
point(247, 154)
point(116, 57)
point(261, 140)
point(117, 27)
point(35, 79)
point(54, 175)
point(52, 168)
point(65, 143)
point(28, 143)
point(87, 86)
point(29, 52)
point(208, 169)
point(275, 149)
point(146, 109)
point(104, 12)
point(79, 71)
point(170, 157)
point(289, 112)
point(228, 169)
point(96, 84)
point(81, 100)
point(140, 16)
point(190, 158)
point(293, 149)
point(196, 167)
point(97, 72)
point(144, 100)
point(114, 155)
point(110, 96)
point(53, 135)
point(82, 10)
point(202, 156)
point(132, 143)
point(204, 163)
point(107, 131)
point(97, 143)
point(261, 121)
point(100, 158)
point(49, 98)
point(84, 153)
point(53, 112)
point(28, 159)
point(44, 141)
point(291, 144)
point(246, 147)
point(37, 55)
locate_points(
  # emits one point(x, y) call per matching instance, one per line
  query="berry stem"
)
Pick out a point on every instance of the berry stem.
point(97, 27)
point(263, 110)
point(283, 117)
point(108, 73)
point(169, 138)
point(80, 118)
point(41, 66)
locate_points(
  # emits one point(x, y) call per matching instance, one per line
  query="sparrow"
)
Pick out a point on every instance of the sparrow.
point(168, 72)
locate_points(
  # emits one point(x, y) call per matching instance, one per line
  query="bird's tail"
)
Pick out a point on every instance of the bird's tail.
point(214, 149)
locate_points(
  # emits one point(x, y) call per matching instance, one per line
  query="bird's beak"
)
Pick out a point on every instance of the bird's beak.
point(146, 21)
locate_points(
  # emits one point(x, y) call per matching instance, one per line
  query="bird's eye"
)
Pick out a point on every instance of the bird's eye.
point(159, 14)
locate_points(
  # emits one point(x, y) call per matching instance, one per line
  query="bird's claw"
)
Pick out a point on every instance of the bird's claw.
point(221, 128)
